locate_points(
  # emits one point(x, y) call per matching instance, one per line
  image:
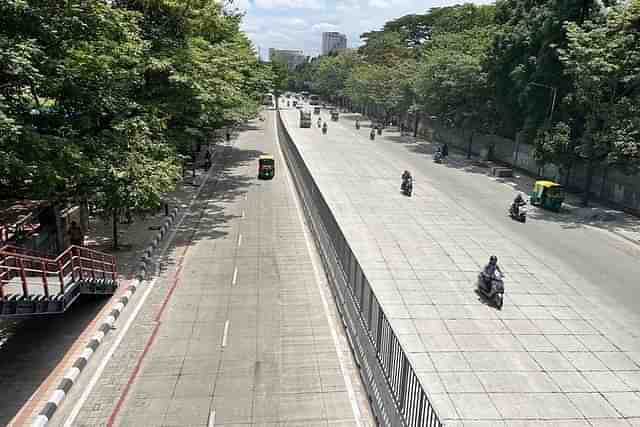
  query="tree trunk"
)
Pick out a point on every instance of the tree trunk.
point(588, 182)
point(603, 184)
point(415, 125)
point(470, 145)
point(567, 178)
point(115, 229)
point(84, 214)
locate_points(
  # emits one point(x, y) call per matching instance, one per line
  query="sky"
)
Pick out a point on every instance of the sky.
point(299, 24)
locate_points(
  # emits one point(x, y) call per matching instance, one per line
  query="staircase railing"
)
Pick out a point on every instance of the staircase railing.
point(28, 277)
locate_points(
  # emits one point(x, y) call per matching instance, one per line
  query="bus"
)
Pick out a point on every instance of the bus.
point(314, 99)
point(267, 100)
point(305, 119)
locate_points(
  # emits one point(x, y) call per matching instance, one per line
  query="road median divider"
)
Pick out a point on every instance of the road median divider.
point(395, 393)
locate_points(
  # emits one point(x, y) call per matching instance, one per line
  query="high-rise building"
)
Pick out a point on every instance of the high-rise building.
point(292, 58)
point(333, 41)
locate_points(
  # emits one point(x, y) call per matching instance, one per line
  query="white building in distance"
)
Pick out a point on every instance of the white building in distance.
point(333, 41)
point(291, 57)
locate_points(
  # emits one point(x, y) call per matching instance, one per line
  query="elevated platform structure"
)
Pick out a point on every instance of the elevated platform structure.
point(34, 284)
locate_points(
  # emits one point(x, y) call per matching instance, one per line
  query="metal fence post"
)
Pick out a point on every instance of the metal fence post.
point(45, 283)
point(403, 382)
point(23, 277)
point(61, 273)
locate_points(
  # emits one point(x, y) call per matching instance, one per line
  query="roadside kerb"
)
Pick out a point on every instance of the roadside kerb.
point(144, 267)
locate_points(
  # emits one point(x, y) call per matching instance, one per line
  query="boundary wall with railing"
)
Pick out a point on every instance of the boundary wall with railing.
point(395, 393)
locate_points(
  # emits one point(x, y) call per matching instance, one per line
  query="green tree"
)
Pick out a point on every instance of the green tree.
point(453, 82)
point(602, 59)
point(525, 62)
point(99, 99)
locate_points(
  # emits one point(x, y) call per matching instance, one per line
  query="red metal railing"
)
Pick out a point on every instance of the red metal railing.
point(43, 274)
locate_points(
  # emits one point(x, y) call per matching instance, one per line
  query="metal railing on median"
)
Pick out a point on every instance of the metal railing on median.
point(397, 397)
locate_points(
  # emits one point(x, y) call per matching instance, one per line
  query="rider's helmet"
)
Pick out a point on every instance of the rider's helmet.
point(493, 259)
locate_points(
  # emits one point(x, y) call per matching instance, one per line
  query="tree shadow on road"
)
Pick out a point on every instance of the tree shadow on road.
point(209, 219)
point(571, 216)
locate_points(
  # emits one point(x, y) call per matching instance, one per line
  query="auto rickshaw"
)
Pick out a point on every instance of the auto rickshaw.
point(548, 195)
point(266, 167)
point(316, 110)
point(335, 115)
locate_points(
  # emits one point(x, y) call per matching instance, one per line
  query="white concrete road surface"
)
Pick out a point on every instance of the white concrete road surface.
point(234, 331)
point(564, 351)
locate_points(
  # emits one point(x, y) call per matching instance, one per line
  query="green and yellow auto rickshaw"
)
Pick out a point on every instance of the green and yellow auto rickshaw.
point(266, 167)
point(548, 195)
point(335, 115)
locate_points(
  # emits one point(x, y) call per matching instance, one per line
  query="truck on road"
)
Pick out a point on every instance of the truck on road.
point(305, 119)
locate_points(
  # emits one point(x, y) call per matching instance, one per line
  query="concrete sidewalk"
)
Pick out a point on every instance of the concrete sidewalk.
point(555, 355)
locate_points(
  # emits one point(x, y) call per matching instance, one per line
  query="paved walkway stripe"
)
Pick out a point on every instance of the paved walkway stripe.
point(235, 276)
point(226, 332)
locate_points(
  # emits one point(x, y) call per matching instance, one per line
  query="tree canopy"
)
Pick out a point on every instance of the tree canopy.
point(561, 75)
point(98, 99)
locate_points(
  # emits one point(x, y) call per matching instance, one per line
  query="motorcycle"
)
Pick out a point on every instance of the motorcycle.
point(357, 125)
point(372, 135)
point(520, 214)
point(379, 130)
point(324, 129)
point(437, 157)
point(319, 124)
point(492, 288)
point(407, 187)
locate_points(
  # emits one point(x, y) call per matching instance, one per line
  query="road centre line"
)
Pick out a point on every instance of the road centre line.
point(212, 419)
point(235, 276)
point(226, 334)
point(239, 239)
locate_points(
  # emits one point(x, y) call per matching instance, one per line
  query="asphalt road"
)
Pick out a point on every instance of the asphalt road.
point(608, 264)
point(235, 330)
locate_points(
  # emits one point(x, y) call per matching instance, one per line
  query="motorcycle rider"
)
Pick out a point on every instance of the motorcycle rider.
point(372, 134)
point(406, 179)
point(489, 272)
point(438, 155)
point(324, 127)
point(320, 122)
point(357, 124)
point(517, 202)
